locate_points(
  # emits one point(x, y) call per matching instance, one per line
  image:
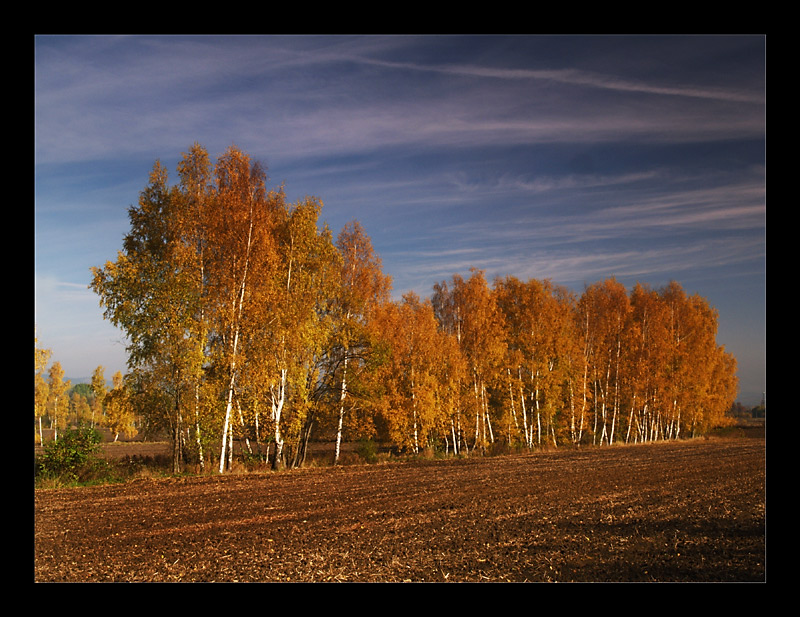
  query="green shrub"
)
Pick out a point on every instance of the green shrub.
point(73, 456)
point(367, 450)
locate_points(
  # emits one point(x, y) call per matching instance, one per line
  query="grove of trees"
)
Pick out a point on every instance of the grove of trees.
point(248, 320)
point(59, 405)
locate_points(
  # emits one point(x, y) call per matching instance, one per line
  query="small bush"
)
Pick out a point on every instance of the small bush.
point(367, 450)
point(73, 457)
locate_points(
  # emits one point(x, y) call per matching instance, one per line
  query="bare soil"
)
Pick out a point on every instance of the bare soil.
point(678, 511)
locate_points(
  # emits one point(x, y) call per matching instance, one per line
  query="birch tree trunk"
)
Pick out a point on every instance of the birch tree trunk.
point(177, 440)
point(477, 408)
point(228, 407)
point(485, 404)
point(630, 419)
point(342, 397)
point(538, 411)
point(414, 413)
point(528, 434)
point(201, 458)
point(244, 428)
point(54, 421)
point(616, 389)
point(513, 407)
point(277, 409)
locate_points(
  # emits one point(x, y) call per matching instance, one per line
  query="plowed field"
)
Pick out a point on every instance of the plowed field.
point(687, 511)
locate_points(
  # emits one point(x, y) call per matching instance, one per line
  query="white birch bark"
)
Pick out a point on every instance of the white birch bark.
point(538, 410)
point(230, 449)
point(228, 406)
point(278, 400)
point(572, 432)
point(511, 398)
point(414, 413)
point(197, 436)
point(477, 408)
point(630, 419)
point(244, 429)
point(528, 433)
point(342, 396)
point(54, 421)
point(485, 403)
point(584, 402)
point(616, 387)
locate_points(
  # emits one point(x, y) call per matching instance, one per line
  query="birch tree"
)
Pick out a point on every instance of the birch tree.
point(700, 374)
point(59, 399)
point(99, 390)
point(410, 409)
point(449, 371)
point(299, 323)
point(514, 303)
point(119, 412)
point(468, 310)
point(363, 288)
point(80, 408)
point(150, 293)
point(239, 225)
point(197, 192)
point(604, 308)
point(646, 363)
point(540, 355)
point(41, 386)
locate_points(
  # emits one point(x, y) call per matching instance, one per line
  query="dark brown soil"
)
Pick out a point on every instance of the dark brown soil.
point(685, 511)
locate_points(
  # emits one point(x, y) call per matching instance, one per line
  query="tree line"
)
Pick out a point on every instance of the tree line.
point(59, 405)
point(247, 320)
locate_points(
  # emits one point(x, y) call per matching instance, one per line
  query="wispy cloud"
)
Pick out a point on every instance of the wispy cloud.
point(576, 265)
point(174, 90)
point(574, 77)
point(636, 221)
point(570, 158)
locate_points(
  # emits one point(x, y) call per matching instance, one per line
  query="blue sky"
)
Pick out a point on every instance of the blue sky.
point(573, 158)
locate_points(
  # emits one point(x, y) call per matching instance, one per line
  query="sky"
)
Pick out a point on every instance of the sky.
point(569, 158)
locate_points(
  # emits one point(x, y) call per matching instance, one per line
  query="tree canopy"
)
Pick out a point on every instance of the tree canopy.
point(249, 324)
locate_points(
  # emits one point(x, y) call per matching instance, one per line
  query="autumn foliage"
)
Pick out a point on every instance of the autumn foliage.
point(248, 322)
